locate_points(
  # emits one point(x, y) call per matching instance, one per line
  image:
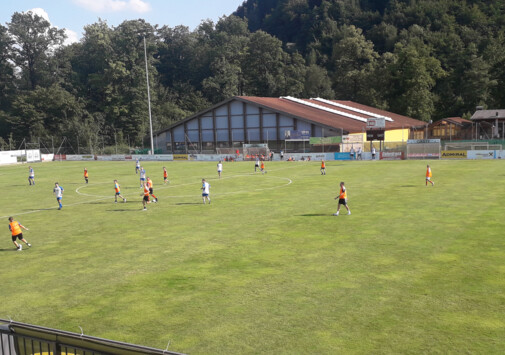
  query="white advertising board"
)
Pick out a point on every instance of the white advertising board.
point(481, 154)
point(376, 122)
point(47, 157)
point(32, 155)
point(75, 157)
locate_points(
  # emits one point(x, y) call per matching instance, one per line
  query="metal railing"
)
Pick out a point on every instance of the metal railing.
point(25, 339)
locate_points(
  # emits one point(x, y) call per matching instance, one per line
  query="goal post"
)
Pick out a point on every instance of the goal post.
point(251, 150)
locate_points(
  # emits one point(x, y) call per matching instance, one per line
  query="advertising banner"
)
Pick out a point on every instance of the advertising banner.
point(180, 157)
point(75, 157)
point(391, 156)
point(325, 140)
point(32, 155)
point(357, 138)
point(454, 154)
point(47, 157)
point(60, 157)
point(342, 156)
point(419, 141)
point(481, 154)
point(423, 155)
point(161, 157)
point(294, 135)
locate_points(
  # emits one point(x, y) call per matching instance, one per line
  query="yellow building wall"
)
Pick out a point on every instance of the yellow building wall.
point(393, 135)
point(396, 135)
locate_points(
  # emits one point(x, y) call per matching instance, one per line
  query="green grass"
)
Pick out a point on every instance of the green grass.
point(265, 267)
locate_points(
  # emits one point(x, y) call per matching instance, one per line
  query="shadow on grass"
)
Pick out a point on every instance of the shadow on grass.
point(315, 215)
point(10, 249)
point(40, 209)
point(408, 185)
point(189, 203)
point(122, 210)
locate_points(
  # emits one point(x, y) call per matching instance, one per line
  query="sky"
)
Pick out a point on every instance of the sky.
point(73, 15)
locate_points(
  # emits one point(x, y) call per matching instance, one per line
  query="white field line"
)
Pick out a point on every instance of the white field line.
point(289, 181)
point(101, 198)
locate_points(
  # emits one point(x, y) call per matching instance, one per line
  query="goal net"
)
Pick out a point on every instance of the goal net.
point(423, 149)
point(250, 151)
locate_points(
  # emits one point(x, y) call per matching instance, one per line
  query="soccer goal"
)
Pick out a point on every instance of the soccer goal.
point(472, 146)
point(250, 151)
point(423, 149)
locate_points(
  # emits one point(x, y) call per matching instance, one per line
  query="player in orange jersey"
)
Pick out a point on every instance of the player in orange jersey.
point(117, 188)
point(150, 186)
point(15, 228)
point(165, 176)
point(86, 175)
point(428, 176)
point(323, 168)
point(342, 199)
point(145, 193)
point(263, 171)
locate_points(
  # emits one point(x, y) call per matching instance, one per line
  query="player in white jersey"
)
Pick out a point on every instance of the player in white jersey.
point(31, 176)
point(219, 168)
point(137, 166)
point(205, 191)
point(142, 176)
point(58, 192)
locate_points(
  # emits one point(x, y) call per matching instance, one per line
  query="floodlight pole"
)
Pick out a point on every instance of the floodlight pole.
point(149, 99)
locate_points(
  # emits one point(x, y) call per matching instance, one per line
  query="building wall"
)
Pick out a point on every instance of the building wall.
point(232, 125)
point(393, 135)
point(396, 135)
point(235, 123)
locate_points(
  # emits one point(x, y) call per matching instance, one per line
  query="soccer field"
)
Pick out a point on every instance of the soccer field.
point(265, 267)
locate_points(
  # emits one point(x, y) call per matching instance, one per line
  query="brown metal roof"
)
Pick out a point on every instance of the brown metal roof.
point(488, 114)
point(399, 121)
point(454, 120)
point(316, 115)
point(329, 119)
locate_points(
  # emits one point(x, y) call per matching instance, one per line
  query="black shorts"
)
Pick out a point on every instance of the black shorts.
point(18, 236)
point(151, 190)
point(342, 201)
point(146, 198)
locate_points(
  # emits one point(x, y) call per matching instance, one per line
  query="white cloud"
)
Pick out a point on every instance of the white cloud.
point(72, 36)
point(40, 12)
point(139, 6)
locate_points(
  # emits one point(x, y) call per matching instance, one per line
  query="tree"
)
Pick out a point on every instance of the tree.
point(6, 69)
point(353, 60)
point(317, 83)
point(35, 41)
point(45, 112)
point(262, 65)
point(413, 75)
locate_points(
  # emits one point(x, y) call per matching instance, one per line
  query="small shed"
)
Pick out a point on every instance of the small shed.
point(451, 128)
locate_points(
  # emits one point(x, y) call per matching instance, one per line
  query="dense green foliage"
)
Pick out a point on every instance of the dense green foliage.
point(428, 59)
point(265, 268)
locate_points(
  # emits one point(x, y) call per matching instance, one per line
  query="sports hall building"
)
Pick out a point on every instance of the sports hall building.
point(284, 123)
